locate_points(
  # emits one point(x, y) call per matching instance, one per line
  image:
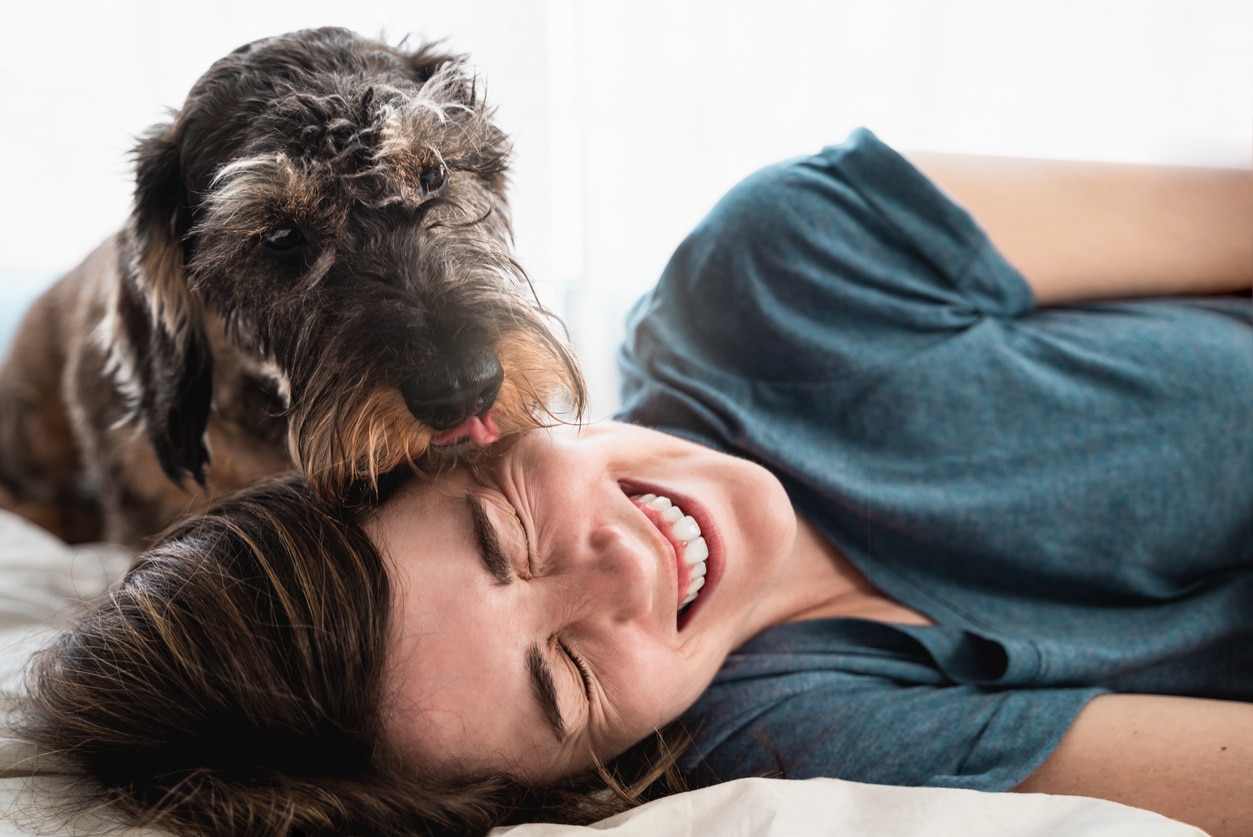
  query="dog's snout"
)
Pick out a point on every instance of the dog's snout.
point(443, 401)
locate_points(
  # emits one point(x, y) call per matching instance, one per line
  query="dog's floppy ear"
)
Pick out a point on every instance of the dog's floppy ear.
point(162, 318)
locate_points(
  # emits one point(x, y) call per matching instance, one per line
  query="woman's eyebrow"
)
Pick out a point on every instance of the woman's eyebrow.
point(545, 691)
point(486, 543)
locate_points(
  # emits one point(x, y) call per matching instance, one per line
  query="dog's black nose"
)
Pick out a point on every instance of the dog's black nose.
point(443, 401)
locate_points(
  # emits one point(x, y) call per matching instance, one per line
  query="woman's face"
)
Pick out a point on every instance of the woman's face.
point(540, 611)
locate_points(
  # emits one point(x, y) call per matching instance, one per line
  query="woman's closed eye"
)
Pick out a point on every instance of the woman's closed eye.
point(585, 674)
point(500, 538)
point(500, 533)
point(520, 541)
point(514, 534)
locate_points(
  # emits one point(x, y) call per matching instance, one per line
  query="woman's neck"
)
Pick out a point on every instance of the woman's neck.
point(820, 581)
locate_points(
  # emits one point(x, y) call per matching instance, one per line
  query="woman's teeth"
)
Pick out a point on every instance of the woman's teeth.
point(684, 530)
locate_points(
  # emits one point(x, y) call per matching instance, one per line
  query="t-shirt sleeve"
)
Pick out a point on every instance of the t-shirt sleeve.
point(868, 729)
point(870, 702)
point(813, 270)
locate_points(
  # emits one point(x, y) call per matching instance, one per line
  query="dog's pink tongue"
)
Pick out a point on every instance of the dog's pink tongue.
point(474, 429)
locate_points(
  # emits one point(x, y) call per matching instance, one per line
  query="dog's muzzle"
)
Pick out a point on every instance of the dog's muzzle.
point(443, 400)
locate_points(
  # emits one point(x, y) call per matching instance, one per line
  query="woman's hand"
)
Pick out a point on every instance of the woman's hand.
point(1085, 231)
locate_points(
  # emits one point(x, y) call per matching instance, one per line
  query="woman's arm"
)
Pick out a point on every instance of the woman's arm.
point(1187, 758)
point(1082, 231)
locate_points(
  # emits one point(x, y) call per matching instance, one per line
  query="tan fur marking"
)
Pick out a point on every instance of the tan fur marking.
point(381, 429)
point(170, 302)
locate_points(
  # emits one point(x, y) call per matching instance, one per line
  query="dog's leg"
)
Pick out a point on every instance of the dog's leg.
point(41, 474)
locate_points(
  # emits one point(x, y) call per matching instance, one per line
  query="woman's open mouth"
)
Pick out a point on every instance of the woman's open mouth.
point(684, 532)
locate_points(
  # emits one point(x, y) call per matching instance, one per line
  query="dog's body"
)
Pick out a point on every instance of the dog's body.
point(317, 271)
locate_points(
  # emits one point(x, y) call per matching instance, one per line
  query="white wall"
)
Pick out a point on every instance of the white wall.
point(630, 117)
point(680, 100)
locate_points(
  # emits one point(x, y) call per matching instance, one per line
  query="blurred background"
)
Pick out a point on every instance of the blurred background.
point(630, 118)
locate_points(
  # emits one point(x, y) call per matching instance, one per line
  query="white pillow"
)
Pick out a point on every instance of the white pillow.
point(43, 583)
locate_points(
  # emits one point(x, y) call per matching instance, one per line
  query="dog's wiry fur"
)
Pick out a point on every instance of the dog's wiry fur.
point(318, 269)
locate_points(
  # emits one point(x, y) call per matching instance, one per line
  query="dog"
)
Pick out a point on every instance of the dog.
point(317, 273)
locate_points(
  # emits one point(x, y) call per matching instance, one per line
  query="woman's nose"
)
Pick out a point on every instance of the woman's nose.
point(618, 574)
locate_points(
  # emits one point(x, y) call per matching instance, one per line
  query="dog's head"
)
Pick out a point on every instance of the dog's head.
point(340, 205)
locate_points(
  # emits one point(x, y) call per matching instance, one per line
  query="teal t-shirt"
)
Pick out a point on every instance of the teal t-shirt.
point(1067, 492)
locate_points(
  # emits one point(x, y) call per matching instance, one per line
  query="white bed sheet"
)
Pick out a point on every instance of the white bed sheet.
point(43, 582)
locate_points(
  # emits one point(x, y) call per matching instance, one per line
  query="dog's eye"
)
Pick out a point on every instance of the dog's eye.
point(433, 178)
point(285, 240)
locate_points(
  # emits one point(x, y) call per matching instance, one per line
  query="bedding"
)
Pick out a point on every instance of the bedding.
point(43, 581)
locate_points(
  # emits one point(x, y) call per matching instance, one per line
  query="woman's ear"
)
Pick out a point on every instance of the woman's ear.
point(160, 317)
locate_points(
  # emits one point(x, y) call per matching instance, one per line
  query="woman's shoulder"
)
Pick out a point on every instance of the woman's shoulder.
point(819, 266)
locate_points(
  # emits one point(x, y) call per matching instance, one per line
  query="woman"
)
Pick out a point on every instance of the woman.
point(948, 536)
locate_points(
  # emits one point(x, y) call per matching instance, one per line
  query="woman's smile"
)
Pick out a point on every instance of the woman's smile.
point(691, 549)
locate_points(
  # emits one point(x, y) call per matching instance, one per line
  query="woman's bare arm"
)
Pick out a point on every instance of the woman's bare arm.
point(1082, 231)
point(1187, 758)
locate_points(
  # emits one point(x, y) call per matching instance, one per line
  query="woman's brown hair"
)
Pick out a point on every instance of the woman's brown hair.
point(232, 684)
